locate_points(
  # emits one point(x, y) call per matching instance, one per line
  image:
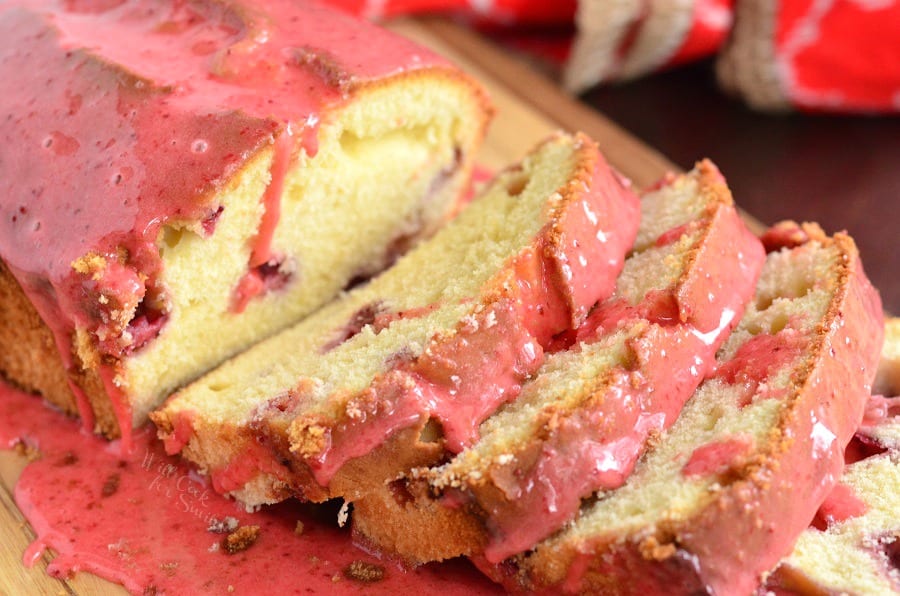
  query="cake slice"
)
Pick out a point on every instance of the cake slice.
point(408, 365)
point(182, 180)
point(582, 421)
point(888, 380)
point(723, 494)
point(852, 546)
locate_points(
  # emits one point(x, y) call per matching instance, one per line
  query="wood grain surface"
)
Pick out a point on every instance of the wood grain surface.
point(529, 107)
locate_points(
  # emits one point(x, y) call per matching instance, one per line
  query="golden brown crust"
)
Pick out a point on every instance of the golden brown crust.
point(29, 358)
point(28, 354)
point(398, 518)
point(403, 451)
point(693, 285)
point(106, 422)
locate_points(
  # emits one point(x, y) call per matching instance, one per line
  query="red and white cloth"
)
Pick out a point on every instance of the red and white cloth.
point(815, 55)
point(623, 39)
point(501, 12)
point(819, 55)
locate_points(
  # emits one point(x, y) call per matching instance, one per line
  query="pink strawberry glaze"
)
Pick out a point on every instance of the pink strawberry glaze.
point(878, 409)
point(141, 520)
point(595, 446)
point(716, 457)
point(675, 234)
point(262, 244)
point(841, 504)
point(757, 358)
point(116, 138)
point(459, 381)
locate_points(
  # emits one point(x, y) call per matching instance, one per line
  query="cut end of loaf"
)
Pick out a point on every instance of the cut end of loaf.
point(297, 211)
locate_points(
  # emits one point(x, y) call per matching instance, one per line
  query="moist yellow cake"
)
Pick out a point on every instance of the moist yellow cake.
point(723, 494)
point(583, 419)
point(407, 366)
point(182, 180)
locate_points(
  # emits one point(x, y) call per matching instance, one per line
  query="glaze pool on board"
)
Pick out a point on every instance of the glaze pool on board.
point(142, 520)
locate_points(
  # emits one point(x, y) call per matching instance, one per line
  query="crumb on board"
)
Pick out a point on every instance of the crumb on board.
point(68, 459)
point(27, 451)
point(241, 539)
point(298, 529)
point(225, 525)
point(653, 550)
point(365, 572)
point(111, 485)
point(343, 514)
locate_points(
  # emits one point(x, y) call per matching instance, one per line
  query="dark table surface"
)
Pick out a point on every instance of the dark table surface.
point(841, 171)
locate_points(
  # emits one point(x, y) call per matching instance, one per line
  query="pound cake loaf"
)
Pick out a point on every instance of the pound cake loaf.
point(853, 546)
point(182, 179)
point(407, 366)
point(581, 422)
point(721, 496)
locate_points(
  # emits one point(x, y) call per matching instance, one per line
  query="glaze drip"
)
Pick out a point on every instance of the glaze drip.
point(146, 521)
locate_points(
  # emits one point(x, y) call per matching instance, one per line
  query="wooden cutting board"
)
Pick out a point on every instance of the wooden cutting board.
point(529, 107)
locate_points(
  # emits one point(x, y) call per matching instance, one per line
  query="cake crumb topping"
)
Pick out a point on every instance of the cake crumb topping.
point(652, 549)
